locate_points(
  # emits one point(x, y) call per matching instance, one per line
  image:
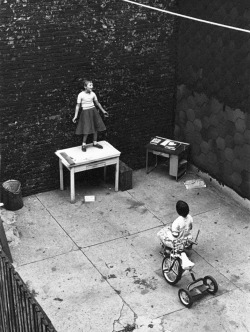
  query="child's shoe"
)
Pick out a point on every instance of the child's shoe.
point(99, 146)
point(84, 148)
point(167, 252)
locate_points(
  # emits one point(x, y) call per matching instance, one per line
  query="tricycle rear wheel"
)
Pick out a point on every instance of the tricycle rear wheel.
point(211, 283)
point(185, 297)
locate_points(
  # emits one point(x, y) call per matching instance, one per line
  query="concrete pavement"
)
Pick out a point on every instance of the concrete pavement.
point(96, 266)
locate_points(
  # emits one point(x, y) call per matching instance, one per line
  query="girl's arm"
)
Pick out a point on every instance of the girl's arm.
point(100, 107)
point(76, 112)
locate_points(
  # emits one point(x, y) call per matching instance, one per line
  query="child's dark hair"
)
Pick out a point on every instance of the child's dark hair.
point(85, 82)
point(182, 208)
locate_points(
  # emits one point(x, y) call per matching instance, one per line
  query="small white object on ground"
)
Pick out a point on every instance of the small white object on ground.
point(89, 198)
point(196, 183)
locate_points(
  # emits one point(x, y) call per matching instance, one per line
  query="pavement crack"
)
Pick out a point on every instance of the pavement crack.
point(118, 319)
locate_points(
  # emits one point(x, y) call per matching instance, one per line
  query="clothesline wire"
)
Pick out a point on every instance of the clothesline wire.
point(188, 17)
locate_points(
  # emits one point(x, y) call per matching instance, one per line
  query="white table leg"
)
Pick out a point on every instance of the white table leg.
point(105, 173)
point(117, 175)
point(61, 174)
point(72, 185)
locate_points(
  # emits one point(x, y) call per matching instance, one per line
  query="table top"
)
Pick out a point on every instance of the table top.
point(78, 157)
point(182, 147)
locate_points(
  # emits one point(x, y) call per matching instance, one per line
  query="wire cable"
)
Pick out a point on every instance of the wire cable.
point(188, 17)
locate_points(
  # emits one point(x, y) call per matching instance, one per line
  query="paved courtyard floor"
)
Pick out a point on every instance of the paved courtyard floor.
point(96, 266)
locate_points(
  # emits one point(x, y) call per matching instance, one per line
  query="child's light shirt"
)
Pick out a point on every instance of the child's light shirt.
point(182, 226)
point(86, 99)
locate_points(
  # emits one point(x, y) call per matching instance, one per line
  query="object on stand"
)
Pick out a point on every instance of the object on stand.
point(12, 195)
point(177, 153)
point(125, 177)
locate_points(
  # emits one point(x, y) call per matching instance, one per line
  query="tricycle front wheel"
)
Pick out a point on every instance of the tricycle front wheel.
point(172, 270)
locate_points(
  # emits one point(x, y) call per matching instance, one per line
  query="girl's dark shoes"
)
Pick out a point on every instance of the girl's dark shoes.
point(99, 146)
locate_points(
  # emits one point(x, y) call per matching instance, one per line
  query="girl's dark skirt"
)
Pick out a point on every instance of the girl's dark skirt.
point(89, 122)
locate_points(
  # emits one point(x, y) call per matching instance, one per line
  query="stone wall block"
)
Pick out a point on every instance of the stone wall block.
point(229, 141)
point(216, 106)
point(220, 143)
point(183, 117)
point(239, 138)
point(245, 185)
point(204, 148)
point(191, 102)
point(190, 127)
point(247, 136)
point(211, 158)
point(197, 138)
point(240, 125)
point(236, 179)
point(177, 131)
point(200, 99)
point(183, 92)
point(213, 132)
point(205, 122)
point(229, 113)
point(214, 120)
point(229, 154)
point(237, 165)
point(239, 114)
point(238, 151)
point(197, 124)
point(246, 150)
point(190, 114)
point(181, 106)
point(227, 169)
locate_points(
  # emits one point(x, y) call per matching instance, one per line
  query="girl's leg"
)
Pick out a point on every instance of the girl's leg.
point(84, 140)
point(95, 137)
point(95, 144)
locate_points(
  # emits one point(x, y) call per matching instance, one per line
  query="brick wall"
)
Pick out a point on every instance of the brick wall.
point(48, 47)
point(213, 105)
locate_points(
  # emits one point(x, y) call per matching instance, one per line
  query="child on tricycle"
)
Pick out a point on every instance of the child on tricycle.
point(180, 228)
point(175, 239)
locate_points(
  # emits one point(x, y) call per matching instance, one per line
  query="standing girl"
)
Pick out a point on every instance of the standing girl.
point(90, 121)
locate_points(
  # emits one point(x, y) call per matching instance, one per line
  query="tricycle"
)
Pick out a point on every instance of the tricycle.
point(176, 262)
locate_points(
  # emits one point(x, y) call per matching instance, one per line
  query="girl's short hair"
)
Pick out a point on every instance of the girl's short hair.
point(182, 208)
point(85, 82)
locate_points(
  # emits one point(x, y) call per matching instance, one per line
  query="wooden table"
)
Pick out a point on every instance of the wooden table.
point(75, 160)
point(177, 158)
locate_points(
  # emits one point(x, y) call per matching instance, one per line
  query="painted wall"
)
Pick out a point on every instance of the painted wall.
point(48, 47)
point(213, 100)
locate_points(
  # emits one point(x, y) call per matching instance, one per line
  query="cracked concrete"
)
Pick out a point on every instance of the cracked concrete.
point(96, 266)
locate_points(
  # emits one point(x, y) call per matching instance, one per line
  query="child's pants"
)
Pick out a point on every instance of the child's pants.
point(167, 238)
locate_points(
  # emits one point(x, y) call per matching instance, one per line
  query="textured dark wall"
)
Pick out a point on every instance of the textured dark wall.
point(48, 47)
point(213, 107)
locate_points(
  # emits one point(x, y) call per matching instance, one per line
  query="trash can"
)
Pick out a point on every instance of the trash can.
point(12, 195)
